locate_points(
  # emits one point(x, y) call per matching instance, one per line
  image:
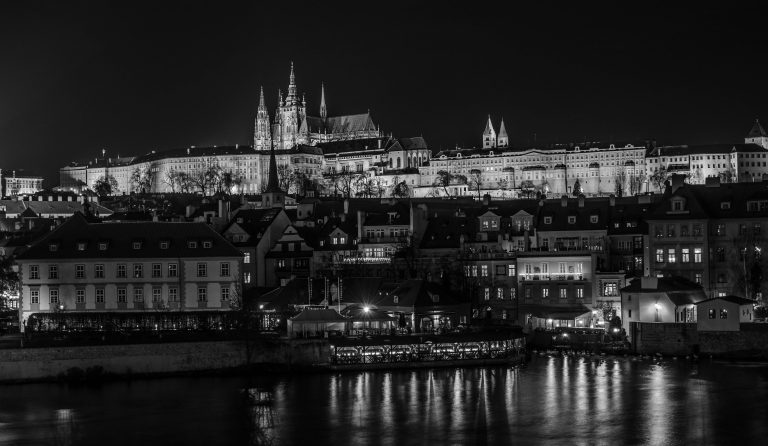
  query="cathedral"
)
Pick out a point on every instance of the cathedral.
point(292, 125)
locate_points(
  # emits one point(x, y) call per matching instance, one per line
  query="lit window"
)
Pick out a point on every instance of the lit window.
point(659, 256)
point(81, 246)
point(173, 294)
point(671, 256)
point(102, 246)
point(202, 269)
point(696, 255)
point(173, 270)
point(247, 278)
point(191, 244)
point(121, 271)
point(247, 257)
point(486, 293)
point(711, 313)
point(723, 313)
point(544, 293)
point(484, 270)
point(685, 255)
point(163, 245)
point(563, 293)
point(580, 292)
point(207, 244)
point(500, 293)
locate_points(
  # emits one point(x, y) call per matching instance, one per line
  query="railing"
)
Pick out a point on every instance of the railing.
point(549, 277)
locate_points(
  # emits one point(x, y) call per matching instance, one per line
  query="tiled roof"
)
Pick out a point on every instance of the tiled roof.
point(44, 208)
point(733, 299)
point(757, 130)
point(120, 238)
point(706, 149)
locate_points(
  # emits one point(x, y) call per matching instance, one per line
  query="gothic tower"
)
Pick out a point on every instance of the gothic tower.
point(262, 137)
point(273, 196)
point(757, 135)
point(292, 113)
point(323, 110)
point(503, 140)
point(489, 135)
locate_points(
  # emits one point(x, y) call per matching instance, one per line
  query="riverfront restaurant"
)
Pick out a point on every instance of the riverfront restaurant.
point(551, 317)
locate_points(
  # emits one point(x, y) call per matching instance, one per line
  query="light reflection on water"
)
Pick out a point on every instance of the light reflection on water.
point(553, 400)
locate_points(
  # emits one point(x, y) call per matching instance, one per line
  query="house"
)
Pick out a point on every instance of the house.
point(725, 313)
point(128, 267)
point(660, 299)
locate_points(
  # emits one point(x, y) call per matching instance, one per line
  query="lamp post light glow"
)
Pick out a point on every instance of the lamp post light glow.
point(366, 309)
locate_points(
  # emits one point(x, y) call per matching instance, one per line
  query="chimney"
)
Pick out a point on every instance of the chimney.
point(612, 200)
point(221, 208)
point(486, 199)
point(712, 182)
point(581, 201)
point(677, 182)
point(190, 210)
point(649, 283)
point(564, 201)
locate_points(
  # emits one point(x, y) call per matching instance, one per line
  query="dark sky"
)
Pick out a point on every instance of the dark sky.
point(131, 77)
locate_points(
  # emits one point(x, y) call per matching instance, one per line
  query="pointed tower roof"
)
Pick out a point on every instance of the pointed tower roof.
point(323, 110)
point(262, 105)
point(273, 184)
point(489, 127)
point(502, 130)
point(757, 130)
point(293, 96)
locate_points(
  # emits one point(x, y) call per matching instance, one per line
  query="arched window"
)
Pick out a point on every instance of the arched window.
point(398, 162)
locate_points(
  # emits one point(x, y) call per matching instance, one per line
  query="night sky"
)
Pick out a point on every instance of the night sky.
point(132, 77)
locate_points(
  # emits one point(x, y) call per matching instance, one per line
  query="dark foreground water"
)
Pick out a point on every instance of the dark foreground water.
point(550, 401)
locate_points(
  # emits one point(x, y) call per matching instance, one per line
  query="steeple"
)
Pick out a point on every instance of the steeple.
point(757, 135)
point(489, 135)
point(323, 110)
point(292, 97)
point(273, 196)
point(503, 139)
point(262, 138)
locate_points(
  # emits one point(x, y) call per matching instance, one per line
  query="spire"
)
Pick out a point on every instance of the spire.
point(262, 106)
point(262, 136)
point(503, 140)
point(292, 97)
point(757, 130)
point(489, 135)
point(273, 184)
point(323, 110)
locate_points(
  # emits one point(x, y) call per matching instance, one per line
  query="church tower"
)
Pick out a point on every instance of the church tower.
point(757, 135)
point(292, 113)
point(503, 140)
point(489, 135)
point(273, 196)
point(262, 137)
point(323, 110)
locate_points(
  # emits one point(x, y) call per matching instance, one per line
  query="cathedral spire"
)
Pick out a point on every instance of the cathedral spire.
point(262, 137)
point(323, 110)
point(262, 105)
point(489, 135)
point(273, 196)
point(292, 97)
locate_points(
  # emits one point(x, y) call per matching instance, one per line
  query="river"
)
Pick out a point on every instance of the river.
point(552, 400)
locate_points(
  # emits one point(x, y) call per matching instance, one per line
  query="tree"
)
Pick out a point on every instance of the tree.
point(619, 180)
point(141, 179)
point(401, 190)
point(9, 282)
point(577, 188)
point(105, 186)
point(658, 178)
point(475, 180)
point(171, 179)
point(445, 179)
point(635, 183)
point(285, 177)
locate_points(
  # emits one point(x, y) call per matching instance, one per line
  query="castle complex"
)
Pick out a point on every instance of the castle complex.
point(349, 155)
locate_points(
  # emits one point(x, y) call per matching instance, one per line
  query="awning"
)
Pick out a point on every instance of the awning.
point(556, 313)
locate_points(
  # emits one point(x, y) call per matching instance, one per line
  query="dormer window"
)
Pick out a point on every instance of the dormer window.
point(677, 205)
point(571, 219)
point(207, 244)
point(53, 247)
point(81, 246)
point(136, 245)
point(103, 246)
point(725, 205)
point(593, 219)
point(164, 245)
point(435, 298)
point(547, 220)
point(191, 244)
point(396, 299)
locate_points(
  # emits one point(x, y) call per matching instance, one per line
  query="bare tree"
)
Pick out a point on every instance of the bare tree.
point(658, 178)
point(635, 183)
point(619, 181)
point(475, 180)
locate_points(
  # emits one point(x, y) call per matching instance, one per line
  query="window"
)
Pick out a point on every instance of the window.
point(671, 256)
point(103, 246)
point(34, 296)
point(484, 270)
point(501, 270)
point(544, 293)
point(138, 270)
point(224, 293)
point(173, 270)
point(224, 269)
point(677, 205)
point(53, 247)
point(121, 295)
point(718, 229)
point(742, 229)
point(202, 269)
point(173, 294)
point(684, 230)
point(99, 295)
point(629, 313)
point(202, 294)
point(98, 271)
point(157, 270)
point(486, 293)
point(247, 257)
point(53, 296)
point(53, 271)
point(157, 295)
point(593, 218)
point(547, 220)
point(685, 255)
point(136, 245)
point(500, 293)
point(659, 256)
point(80, 296)
point(610, 289)
point(247, 277)
point(81, 246)
point(34, 272)
point(79, 271)
point(571, 219)
point(191, 244)
point(697, 230)
point(697, 278)
point(121, 271)
point(527, 292)
point(163, 245)
point(723, 313)
point(580, 292)
point(207, 244)
point(696, 255)
point(711, 314)
point(756, 229)
point(138, 295)
point(563, 293)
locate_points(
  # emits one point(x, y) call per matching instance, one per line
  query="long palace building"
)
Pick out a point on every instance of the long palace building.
point(322, 148)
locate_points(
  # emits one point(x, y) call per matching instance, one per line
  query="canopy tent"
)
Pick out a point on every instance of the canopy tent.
point(311, 322)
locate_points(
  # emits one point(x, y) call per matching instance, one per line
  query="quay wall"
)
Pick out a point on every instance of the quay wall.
point(37, 364)
point(649, 338)
point(751, 341)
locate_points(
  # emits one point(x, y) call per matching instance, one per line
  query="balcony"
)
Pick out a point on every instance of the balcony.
point(499, 255)
point(386, 239)
point(552, 277)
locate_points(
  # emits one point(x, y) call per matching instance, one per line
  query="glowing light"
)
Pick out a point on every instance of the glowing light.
point(366, 309)
point(261, 307)
point(657, 306)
